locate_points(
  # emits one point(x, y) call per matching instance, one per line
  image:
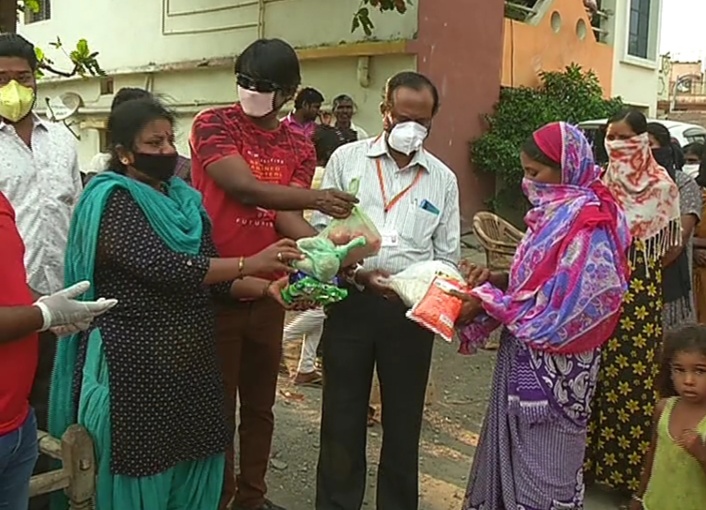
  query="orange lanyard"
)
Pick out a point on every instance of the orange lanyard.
point(388, 205)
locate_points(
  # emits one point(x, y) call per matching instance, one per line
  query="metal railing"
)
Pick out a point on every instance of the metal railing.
point(518, 12)
point(598, 19)
point(523, 12)
point(695, 88)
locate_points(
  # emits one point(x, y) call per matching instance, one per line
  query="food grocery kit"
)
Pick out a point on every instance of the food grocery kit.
point(341, 244)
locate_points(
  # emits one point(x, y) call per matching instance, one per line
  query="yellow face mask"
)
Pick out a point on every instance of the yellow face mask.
point(16, 101)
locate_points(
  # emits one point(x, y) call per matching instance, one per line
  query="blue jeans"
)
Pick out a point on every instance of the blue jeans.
point(18, 454)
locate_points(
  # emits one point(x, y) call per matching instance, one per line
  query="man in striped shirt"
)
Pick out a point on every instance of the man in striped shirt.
point(412, 198)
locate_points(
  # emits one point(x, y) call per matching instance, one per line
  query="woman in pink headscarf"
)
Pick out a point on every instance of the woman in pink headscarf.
point(559, 304)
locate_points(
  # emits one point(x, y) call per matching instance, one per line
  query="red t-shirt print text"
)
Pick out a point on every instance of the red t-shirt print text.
point(280, 156)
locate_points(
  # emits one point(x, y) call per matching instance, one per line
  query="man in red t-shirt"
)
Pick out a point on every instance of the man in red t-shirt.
point(20, 320)
point(255, 175)
point(19, 351)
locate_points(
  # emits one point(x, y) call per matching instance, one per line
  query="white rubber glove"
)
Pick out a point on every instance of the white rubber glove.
point(61, 308)
point(70, 329)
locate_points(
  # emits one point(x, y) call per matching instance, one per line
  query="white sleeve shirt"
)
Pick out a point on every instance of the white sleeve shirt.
point(43, 185)
point(426, 219)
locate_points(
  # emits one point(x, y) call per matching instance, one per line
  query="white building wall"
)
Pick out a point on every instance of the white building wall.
point(139, 41)
point(636, 80)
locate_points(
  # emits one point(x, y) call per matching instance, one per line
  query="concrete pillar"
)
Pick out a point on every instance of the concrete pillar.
point(460, 47)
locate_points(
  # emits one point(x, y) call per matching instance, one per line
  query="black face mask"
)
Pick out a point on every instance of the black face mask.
point(665, 158)
point(701, 178)
point(160, 167)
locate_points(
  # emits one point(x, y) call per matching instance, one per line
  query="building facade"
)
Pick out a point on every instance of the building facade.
point(632, 28)
point(619, 43)
point(685, 87)
point(183, 50)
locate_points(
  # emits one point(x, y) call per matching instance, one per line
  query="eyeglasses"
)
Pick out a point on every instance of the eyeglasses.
point(256, 84)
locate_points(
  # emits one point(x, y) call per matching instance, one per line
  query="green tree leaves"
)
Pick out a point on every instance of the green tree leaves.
point(84, 60)
point(361, 19)
point(573, 95)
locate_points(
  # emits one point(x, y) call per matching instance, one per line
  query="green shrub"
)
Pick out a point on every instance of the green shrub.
point(573, 95)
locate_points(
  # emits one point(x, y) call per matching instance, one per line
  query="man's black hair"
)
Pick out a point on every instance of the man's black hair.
point(270, 60)
point(14, 45)
point(128, 94)
point(411, 80)
point(342, 98)
point(308, 95)
point(697, 149)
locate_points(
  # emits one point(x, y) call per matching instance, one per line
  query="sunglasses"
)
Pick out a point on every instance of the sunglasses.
point(258, 85)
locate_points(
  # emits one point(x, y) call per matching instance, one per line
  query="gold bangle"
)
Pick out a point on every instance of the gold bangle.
point(241, 267)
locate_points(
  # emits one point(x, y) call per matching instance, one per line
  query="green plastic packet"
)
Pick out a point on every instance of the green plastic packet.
point(310, 289)
point(323, 258)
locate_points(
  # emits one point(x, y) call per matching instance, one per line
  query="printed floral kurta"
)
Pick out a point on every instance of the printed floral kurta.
point(621, 424)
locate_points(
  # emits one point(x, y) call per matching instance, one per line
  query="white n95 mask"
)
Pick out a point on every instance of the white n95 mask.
point(407, 137)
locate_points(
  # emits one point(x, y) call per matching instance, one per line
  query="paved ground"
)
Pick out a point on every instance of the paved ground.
point(461, 386)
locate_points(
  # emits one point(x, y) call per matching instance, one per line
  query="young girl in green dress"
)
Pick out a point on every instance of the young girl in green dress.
point(674, 474)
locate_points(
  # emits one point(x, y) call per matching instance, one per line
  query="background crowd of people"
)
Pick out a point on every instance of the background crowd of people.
point(192, 253)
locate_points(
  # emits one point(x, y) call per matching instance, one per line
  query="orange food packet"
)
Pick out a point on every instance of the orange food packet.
point(438, 311)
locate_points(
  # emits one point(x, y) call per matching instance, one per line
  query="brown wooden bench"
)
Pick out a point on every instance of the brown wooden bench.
point(77, 477)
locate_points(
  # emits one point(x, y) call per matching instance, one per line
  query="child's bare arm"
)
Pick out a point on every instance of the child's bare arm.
point(636, 503)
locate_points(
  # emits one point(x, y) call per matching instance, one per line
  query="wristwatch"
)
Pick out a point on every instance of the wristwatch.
point(351, 278)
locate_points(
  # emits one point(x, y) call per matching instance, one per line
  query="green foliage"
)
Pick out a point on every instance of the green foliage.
point(84, 60)
point(361, 19)
point(514, 9)
point(31, 5)
point(573, 95)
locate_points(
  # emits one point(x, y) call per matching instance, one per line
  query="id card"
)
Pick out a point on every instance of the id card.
point(390, 238)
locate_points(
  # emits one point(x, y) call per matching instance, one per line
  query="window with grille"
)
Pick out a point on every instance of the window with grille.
point(639, 37)
point(43, 14)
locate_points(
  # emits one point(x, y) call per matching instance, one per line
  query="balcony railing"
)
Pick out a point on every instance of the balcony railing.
point(693, 88)
point(524, 10)
point(520, 10)
point(598, 23)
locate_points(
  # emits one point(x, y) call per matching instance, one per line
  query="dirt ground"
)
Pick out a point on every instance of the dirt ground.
point(461, 385)
point(448, 438)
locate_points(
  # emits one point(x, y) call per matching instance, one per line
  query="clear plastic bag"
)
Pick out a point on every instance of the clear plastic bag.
point(412, 284)
point(358, 224)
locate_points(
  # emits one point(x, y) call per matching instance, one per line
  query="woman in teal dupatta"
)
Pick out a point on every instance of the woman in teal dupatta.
point(144, 380)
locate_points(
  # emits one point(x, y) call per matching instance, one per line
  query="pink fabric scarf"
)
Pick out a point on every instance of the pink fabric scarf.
point(570, 272)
